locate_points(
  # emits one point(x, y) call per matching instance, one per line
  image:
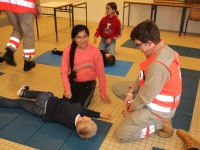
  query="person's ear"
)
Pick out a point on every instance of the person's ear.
point(149, 43)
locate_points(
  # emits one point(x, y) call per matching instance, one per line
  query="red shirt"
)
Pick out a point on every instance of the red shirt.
point(109, 28)
point(88, 65)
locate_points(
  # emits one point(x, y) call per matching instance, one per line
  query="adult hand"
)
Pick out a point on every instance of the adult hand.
point(38, 11)
point(126, 113)
point(108, 41)
point(95, 40)
point(68, 94)
point(128, 100)
point(106, 99)
point(105, 116)
point(130, 108)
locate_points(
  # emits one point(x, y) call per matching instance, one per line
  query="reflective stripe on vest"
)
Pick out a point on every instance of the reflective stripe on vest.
point(20, 3)
point(13, 42)
point(165, 99)
point(146, 131)
point(18, 6)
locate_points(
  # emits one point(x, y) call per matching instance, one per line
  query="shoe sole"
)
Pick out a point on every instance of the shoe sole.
point(166, 136)
point(27, 69)
point(19, 91)
point(9, 61)
point(189, 136)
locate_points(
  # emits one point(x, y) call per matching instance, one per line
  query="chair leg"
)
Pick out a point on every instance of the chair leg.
point(186, 28)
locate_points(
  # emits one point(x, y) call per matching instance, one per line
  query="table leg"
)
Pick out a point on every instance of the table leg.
point(182, 20)
point(72, 8)
point(37, 26)
point(123, 17)
point(69, 16)
point(153, 13)
point(86, 12)
point(55, 21)
point(128, 13)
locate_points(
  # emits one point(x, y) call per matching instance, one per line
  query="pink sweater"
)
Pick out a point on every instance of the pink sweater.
point(88, 65)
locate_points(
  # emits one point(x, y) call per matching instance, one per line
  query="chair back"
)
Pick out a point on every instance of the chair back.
point(195, 12)
point(170, 1)
point(193, 1)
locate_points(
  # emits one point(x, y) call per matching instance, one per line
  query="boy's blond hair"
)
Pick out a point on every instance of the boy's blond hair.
point(86, 129)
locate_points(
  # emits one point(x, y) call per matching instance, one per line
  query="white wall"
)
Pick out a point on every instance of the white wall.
point(168, 18)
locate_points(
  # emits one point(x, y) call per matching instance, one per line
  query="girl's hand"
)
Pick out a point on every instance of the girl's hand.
point(108, 41)
point(95, 40)
point(68, 94)
point(105, 116)
point(106, 99)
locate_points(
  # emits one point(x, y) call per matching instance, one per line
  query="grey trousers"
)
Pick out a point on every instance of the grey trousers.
point(121, 88)
point(130, 129)
point(22, 28)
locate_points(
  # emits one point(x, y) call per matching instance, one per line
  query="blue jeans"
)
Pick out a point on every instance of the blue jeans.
point(111, 46)
point(34, 107)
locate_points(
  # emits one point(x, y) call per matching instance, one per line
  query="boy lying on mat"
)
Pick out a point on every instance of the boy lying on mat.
point(54, 109)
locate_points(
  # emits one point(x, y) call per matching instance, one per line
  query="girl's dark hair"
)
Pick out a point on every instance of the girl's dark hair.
point(146, 30)
point(75, 31)
point(110, 60)
point(113, 5)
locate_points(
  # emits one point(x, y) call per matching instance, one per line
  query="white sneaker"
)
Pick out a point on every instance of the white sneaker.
point(20, 92)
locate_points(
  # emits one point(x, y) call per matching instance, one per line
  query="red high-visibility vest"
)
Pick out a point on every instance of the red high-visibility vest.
point(169, 97)
point(18, 6)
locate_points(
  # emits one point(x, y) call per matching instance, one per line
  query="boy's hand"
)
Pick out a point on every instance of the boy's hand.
point(105, 116)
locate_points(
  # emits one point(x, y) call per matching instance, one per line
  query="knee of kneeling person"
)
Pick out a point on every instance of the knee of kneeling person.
point(120, 137)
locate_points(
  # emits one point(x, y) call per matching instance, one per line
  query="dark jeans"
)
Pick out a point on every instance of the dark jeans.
point(82, 92)
point(34, 107)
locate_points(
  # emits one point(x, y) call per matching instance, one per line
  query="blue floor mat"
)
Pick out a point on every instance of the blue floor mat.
point(120, 68)
point(156, 148)
point(19, 126)
point(46, 58)
point(183, 116)
point(183, 51)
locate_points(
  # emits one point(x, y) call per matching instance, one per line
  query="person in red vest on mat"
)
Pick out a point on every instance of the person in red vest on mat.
point(20, 14)
point(54, 109)
point(158, 88)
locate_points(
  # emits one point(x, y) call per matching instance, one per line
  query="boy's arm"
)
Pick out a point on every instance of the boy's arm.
point(105, 116)
point(94, 114)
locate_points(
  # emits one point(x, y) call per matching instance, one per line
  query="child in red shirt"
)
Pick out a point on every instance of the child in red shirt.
point(109, 29)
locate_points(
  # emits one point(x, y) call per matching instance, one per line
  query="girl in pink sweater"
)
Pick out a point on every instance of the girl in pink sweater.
point(81, 64)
